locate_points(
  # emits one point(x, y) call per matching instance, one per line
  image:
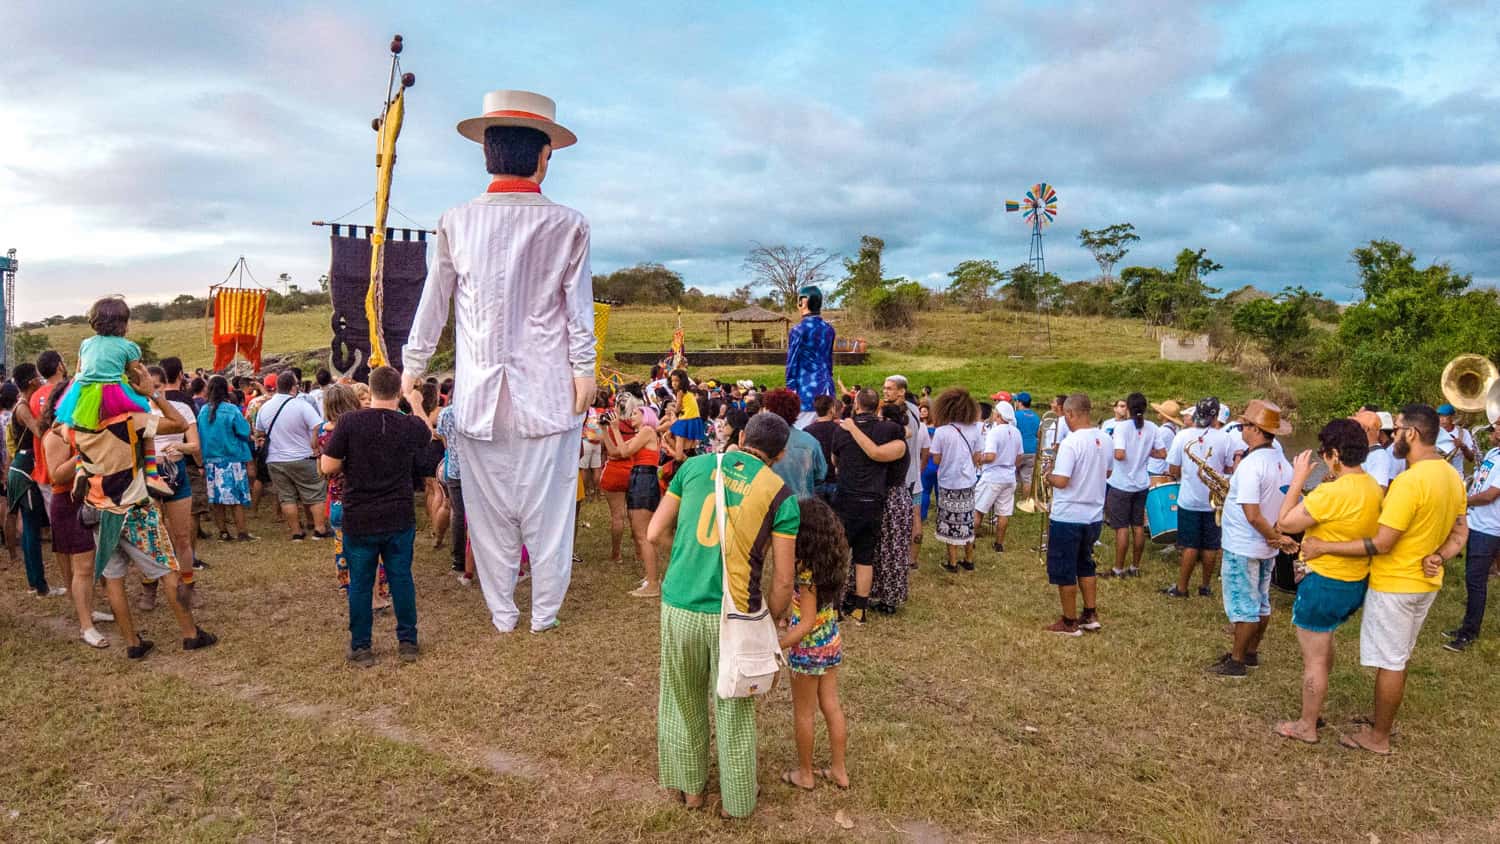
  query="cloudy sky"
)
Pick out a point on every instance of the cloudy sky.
point(146, 146)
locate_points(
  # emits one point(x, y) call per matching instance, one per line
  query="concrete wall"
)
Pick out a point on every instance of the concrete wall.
point(1189, 347)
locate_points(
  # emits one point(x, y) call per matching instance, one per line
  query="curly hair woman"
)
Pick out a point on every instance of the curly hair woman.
point(956, 444)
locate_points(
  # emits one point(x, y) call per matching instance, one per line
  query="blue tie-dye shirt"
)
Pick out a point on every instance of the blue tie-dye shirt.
point(809, 360)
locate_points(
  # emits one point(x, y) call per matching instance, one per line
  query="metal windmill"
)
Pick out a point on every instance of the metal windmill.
point(1039, 208)
point(8, 267)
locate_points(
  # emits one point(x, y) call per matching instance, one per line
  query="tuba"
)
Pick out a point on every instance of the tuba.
point(1218, 485)
point(1468, 384)
point(1041, 492)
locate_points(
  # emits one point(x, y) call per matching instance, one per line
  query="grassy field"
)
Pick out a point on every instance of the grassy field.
point(967, 721)
point(987, 352)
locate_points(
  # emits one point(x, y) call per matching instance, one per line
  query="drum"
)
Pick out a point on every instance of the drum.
point(1161, 513)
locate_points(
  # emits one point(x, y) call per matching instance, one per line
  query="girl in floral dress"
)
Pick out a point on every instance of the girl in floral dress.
point(814, 648)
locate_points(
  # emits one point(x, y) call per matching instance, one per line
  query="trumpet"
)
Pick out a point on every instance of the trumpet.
point(1218, 485)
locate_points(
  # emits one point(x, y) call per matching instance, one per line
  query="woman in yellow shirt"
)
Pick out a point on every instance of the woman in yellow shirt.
point(1330, 589)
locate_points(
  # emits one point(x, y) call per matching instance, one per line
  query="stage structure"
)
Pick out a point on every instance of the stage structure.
point(8, 267)
point(239, 318)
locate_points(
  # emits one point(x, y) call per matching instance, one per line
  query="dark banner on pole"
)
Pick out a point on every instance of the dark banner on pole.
point(349, 279)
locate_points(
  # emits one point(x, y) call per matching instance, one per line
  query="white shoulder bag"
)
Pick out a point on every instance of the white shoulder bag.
point(749, 651)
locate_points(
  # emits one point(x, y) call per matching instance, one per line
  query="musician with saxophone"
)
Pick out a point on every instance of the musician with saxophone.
point(1077, 515)
point(1199, 458)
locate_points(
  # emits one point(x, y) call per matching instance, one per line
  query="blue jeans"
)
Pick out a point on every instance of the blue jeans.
point(364, 553)
point(31, 550)
point(1481, 552)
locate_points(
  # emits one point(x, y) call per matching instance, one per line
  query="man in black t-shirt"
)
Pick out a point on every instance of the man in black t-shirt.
point(377, 450)
point(862, 447)
point(824, 430)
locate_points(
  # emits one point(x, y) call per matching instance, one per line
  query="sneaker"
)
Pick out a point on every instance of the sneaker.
point(1252, 660)
point(139, 651)
point(100, 615)
point(1064, 627)
point(1459, 644)
point(1228, 666)
point(322, 534)
point(1205, 592)
point(950, 568)
point(247, 537)
point(54, 592)
point(199, 564)
point(298, 537)
point(94, 639)
point(577, 560)
point(647, 589)
point(1455, 633)
point(1109, 573)
point(363, 658)
point(465, 580)
point(1090, 622)
point(1133, 571)
point(998, 546)
point(408, 651)
point(204, 639)
point(966, 565)
point(553, 626)
point(1171, 592)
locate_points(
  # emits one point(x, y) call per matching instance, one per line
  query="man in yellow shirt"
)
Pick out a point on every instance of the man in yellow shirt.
point(1422, 524)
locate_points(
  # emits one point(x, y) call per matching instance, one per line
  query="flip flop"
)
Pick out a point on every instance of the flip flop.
point(827, 774)
point(1349, 741)
point(1286, 733)
point(786, 777)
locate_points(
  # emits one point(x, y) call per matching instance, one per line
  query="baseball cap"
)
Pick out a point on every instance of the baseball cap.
point(1000, 396)
point(1445, 410)
point(1023, 397)
point(1224, 413)
point(271, 381)
point(1387, 423)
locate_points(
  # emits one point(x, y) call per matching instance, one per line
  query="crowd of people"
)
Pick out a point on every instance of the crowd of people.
point(806, 503)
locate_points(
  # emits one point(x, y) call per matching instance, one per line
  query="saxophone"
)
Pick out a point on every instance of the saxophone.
point(1218, 485)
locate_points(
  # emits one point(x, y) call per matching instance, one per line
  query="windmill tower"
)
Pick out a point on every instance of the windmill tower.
point(1038, 209)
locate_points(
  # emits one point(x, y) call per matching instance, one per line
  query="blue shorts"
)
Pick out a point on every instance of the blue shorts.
point(1246, 583)
point(1070, 552)
point(1197, 530)
point(1324, 603)
point(185, 490)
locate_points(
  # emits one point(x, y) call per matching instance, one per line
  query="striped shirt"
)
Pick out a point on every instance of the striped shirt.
point(515, 269)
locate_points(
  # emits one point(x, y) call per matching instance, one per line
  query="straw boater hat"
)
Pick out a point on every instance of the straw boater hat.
point(518, 108)
point(1169, 408)
point(1267, 417)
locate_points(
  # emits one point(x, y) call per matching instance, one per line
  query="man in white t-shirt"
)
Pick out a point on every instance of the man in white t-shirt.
point(1381, 463)
point(1060, 430)
point(1251, 540)
point(287, 424)
point(1482, 550)
point(1134, 444)
point(1454, 441)
point(1077, 516)
point(996, 492)
point(1198, 533)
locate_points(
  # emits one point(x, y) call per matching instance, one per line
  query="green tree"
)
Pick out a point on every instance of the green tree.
point(1108, 246)
point(1280, 327)
point(973, 284)
point(863, 274)
point(29, 344)
point(642, 284)
point(1026, 289)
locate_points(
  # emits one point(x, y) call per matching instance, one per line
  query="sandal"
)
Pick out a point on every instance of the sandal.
point(1284, 730)
point(1348, 740)
point(94, 639)
point(787, 777)
point(827, 774)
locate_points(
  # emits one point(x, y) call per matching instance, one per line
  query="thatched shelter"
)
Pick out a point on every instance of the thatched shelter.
point(755, 315)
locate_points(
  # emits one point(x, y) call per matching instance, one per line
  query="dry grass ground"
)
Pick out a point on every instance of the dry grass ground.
point(967, 721)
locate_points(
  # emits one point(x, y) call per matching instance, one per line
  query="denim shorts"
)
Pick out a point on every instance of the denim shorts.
point(1070, 552)
point(1247, 587)
point(1324, 603)
point(1197, 530)
point(643, 491)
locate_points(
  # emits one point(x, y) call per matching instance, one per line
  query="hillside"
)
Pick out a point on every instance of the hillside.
point(1105, 357)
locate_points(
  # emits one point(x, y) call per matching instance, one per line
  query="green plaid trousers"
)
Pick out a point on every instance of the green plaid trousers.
point(689, 671)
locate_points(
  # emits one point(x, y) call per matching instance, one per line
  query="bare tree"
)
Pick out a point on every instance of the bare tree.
point(784, 268)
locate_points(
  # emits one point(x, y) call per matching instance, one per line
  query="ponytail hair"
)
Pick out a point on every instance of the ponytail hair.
point(1135, 403)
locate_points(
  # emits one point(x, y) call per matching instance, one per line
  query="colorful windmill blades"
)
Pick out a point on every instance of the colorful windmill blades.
point(1041, 204)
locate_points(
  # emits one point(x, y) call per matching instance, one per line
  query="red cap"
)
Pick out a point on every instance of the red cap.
point(1000, 396)
point(271, 381)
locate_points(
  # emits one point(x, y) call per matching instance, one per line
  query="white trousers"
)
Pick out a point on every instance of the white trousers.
point(519, 490)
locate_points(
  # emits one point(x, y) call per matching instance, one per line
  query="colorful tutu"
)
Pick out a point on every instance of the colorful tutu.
point(85, 405)
point(691, 430)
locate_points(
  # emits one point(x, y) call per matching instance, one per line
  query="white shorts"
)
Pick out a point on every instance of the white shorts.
point(996, 498)
point(1388, 631)
point(592, 457)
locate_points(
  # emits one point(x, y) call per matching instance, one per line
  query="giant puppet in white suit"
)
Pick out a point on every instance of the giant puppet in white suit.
point(515, 268)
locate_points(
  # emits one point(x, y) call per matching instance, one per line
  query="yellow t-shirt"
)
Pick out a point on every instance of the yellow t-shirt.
point(1346, 508)
point(687, 406)
point(1424, 502)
